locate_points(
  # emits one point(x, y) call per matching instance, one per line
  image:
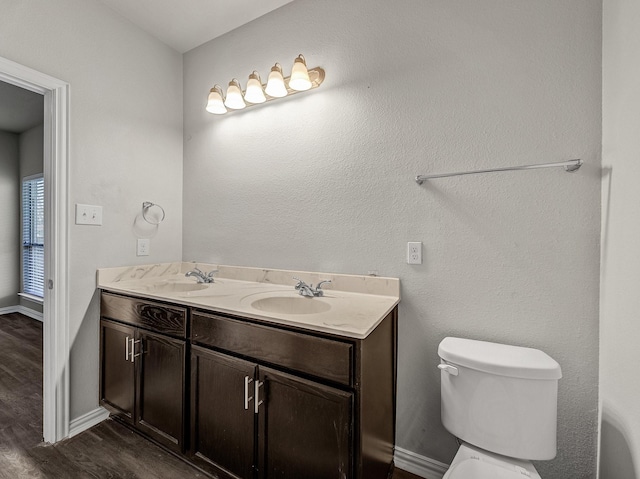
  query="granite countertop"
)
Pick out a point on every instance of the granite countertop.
point(352, 305)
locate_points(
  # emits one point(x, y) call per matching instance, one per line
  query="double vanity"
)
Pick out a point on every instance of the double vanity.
point(254, 375)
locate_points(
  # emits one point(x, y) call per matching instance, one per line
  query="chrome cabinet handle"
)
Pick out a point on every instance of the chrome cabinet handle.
point(133, 348)
point(247, 381)
point(258, 401)
point(128, 351)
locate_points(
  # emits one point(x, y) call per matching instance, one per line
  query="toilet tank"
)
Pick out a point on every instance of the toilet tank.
point(501, 398)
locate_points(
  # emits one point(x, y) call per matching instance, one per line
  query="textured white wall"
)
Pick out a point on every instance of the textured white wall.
point(324, 181)
point(125, 146)
point(31, 151)
point(620, 302)
point(9, 220)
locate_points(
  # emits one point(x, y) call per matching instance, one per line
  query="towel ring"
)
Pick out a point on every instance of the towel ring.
point(146, 206)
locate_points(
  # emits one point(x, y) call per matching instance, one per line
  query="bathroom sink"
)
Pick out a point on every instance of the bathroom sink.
point(291, 305)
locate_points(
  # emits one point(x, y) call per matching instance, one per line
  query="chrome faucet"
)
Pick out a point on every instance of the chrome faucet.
point(308, 290)
point(200, 276)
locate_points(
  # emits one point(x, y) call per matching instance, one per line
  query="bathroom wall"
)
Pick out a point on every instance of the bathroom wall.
point(125, 147)
point(620, 303)
point(31, 163)
point(31, 151)
point(323, 181)
point(9, 220)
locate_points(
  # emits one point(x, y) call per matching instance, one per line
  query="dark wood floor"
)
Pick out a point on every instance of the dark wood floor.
point(108, 450)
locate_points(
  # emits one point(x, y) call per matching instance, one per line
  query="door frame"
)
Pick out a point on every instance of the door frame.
point(56, 346)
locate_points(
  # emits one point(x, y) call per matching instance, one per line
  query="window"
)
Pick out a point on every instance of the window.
point(33, 236)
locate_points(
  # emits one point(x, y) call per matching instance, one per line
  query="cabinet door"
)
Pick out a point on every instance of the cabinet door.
point(305, 429)
point(222, 412)
point(161, 363)
point(117, 371)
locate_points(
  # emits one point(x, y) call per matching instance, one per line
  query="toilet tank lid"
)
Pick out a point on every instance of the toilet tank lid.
point(500, 359)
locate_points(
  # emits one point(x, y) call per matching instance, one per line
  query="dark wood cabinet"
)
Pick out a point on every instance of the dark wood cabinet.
point(297, 428)
point(117, 381)
point(326, 404)
point(222, 413)
point(255, 400)
point(160, 393)
point(305, 428)
point(142, 371)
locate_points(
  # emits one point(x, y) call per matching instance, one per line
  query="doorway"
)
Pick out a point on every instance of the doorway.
point(55, 312)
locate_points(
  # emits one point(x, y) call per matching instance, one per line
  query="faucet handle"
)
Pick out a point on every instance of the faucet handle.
point(212, 272)
point(299, 283)
point(319, 291)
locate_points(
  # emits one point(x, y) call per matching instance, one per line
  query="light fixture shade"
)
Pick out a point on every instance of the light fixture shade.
point(299, 80)
point(254, 92)
point(215, 103)
point(234, 98)
point(275, 83)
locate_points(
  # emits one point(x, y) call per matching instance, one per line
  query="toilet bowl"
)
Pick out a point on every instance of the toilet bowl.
point(501, 402)
point(474, 463)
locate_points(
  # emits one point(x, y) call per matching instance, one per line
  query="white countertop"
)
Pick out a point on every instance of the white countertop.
point(352, 305)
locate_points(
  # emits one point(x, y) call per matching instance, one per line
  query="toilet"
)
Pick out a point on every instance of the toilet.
point(501, 402)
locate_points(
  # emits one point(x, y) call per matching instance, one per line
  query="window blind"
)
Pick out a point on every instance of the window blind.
point(33, 236)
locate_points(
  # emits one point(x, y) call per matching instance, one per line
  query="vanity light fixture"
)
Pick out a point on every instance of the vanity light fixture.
point(277, 86)
point(234, 98)
point(275, 83)
point(254, 93)
point(215, 102)
point(299, 79)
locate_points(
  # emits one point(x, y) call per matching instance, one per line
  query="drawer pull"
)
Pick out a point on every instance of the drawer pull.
point(247, 381)
point(126, 348)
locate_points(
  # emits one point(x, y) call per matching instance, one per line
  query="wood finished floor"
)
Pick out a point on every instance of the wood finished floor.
point(108, 450)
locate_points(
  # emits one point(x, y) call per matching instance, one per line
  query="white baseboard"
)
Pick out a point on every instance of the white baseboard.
point(22, 310)
point(88, 420)
point(419, 465)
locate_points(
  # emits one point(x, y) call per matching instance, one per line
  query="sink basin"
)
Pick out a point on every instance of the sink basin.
point(291, 305)
point(175, 287)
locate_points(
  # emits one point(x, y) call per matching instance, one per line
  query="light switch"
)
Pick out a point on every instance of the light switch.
point(88, 215)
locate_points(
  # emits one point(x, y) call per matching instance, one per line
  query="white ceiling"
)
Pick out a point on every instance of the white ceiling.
point(181, 24)
point(186, 24)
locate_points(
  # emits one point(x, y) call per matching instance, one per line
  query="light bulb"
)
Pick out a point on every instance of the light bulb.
point(254, 93)
point(234, 96)
point(299, 79)
point(275, 83)
point(215, 103)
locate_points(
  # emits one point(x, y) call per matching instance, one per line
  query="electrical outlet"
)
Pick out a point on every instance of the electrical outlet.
point(414, 252)
point(144, 245)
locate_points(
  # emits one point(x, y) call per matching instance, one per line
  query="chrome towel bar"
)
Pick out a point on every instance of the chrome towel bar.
point(570, 165)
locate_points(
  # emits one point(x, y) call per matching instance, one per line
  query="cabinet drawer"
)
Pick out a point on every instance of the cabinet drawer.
point(319, 357)
point(146, 314)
